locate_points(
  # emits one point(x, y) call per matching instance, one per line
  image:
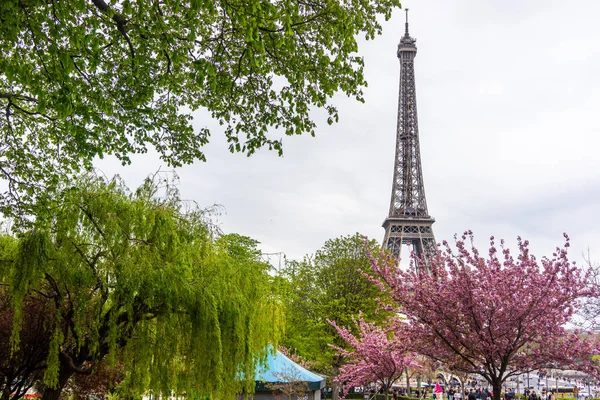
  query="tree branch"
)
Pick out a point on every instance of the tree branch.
point(4, 95)
point(92, 220)
point(73, 367)
point(121, 24)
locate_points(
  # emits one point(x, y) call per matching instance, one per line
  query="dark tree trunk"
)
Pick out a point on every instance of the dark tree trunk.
point(64, 375)
point(5, 394)
point(497, 388)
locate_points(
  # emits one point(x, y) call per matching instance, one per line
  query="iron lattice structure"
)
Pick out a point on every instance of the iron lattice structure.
point(408, 221)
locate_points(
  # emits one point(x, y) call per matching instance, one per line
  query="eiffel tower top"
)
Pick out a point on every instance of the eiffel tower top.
point(408, 191)
point(407, 43)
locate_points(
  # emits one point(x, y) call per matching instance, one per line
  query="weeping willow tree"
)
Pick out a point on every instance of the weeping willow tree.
point(141, 279)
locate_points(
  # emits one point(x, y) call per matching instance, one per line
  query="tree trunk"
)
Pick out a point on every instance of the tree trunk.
point(407, 383)
point(64, 375)
point(497, 388)
point(334, 387)
point(419, 388)
point(6, 393)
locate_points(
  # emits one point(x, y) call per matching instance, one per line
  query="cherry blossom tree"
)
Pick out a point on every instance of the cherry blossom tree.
point(377, 355)
point(497, 315)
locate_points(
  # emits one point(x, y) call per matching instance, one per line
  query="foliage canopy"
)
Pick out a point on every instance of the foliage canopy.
point(141, 279)
point(81, 79)
point(329, 285)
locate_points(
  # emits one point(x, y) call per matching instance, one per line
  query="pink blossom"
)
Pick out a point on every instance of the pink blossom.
point(496, 315)
point(377, 355)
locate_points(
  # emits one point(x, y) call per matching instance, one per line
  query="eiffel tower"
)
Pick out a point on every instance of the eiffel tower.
point(408, 221)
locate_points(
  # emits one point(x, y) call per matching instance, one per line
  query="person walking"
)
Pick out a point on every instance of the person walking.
point(438, 391)
point(533, 396)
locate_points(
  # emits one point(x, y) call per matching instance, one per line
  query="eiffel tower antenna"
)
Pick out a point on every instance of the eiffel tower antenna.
point(408, 221)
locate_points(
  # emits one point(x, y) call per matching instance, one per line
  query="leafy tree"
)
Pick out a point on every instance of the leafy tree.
point(376, 355)
point(21, 368)
point(81, 79)
point(329, 285)
point(139, 278)
point(496, 316)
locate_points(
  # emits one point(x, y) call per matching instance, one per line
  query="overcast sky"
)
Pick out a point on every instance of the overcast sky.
point(508, 98)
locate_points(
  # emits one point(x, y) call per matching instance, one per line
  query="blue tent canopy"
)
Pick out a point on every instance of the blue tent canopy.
point(280, 369)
